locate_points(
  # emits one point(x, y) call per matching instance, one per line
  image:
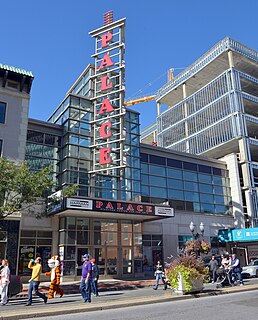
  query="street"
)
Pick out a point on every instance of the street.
point(229, 306)
point(141, 303)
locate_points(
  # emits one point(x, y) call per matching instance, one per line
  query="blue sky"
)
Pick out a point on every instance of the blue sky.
point(50, 38)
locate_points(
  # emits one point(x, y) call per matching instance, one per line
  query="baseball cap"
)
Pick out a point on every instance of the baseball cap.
point(92, 260)
point(86, 256)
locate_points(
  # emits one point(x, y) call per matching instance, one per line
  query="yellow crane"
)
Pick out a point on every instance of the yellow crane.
point(139, 100)
point(152, 97)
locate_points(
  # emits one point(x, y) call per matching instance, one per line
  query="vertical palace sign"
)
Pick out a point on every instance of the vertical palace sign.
point(108, 122)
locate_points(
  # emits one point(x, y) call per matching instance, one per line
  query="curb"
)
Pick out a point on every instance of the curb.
point(73, 289)
point(167, 297)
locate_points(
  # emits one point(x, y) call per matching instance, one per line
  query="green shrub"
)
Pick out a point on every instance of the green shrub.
point(189, 267)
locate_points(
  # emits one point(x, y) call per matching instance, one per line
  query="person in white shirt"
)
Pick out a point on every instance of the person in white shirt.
point(4, 282)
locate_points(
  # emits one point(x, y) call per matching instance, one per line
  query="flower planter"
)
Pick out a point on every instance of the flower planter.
point(196, 284)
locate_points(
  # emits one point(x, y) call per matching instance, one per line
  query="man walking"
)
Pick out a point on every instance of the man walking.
point(159, 275)
point(85, 286)
point(236, 270)
point(35, 280)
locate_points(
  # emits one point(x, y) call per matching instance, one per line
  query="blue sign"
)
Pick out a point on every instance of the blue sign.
point(250, 234)
point(225, 235)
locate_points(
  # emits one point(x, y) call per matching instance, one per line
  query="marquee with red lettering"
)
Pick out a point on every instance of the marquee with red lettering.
point(108, 123)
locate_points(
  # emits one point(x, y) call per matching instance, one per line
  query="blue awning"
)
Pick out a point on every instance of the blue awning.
point(238, 235)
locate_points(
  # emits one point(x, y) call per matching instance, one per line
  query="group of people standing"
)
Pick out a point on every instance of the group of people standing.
point(89, 280)
point(229, 263)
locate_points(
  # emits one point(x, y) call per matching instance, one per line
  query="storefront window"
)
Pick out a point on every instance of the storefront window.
point(69, 253)
point(101, 239)
point(30, 248)
point(82, 237)
point(70, 237)
point(127, 260)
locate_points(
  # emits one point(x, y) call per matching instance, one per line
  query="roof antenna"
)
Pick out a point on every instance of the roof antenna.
point(108, 17)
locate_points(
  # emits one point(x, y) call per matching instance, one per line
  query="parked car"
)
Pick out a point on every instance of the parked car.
point(251, 270)
point(15, 285)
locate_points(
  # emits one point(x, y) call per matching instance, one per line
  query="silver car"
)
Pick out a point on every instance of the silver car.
point(251, 270)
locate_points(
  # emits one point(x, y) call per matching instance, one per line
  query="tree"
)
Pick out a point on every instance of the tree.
point(24, 190)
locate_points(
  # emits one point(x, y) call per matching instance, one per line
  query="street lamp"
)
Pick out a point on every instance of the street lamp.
point(192, 228)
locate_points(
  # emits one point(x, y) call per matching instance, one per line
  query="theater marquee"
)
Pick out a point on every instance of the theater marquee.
point(101, 205)
point(108, 123)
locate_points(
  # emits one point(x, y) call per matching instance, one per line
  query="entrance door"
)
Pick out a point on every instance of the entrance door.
point(80, 252)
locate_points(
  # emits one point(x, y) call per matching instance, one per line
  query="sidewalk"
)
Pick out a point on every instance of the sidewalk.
point(58, 307)
point(103, 285)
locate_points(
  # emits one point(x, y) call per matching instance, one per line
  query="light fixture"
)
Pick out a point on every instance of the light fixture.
point(191, 226)
point(202, 227)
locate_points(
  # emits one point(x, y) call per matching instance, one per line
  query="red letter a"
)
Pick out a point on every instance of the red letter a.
point(106, 62)
point(106, 107)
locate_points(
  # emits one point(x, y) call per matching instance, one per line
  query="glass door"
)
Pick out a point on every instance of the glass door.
point(79, 259)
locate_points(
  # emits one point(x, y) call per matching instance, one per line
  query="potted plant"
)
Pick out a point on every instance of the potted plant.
point(196, 247)
point(186, 274)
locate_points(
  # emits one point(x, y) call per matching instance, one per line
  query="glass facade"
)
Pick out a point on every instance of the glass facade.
point(42, 150)
point(111, 242)
point(75, 114)
point(185, 185)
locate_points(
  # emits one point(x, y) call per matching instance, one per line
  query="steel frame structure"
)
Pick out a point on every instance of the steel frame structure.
point(218, 113)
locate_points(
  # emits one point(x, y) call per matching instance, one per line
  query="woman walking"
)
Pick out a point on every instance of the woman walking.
point(4, 282)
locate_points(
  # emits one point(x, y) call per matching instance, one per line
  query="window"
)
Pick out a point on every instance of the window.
point(190, 166)
point(204, 169)
point(2, 112)
point(157, 160)
point(144, 157)
point(174, 163)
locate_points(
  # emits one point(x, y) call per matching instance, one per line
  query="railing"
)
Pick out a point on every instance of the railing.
point(148, 130)
point(222, 46)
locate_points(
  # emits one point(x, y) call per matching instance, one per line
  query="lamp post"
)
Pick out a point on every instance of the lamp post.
point(196, 237)
point(192, 229)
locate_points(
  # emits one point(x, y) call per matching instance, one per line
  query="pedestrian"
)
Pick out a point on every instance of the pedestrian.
point(95, 277)
point(214, 265)
point(85, 286)
point(4, 282)
point(236, 270)
point(35, 280)
point(159, 275)
point(225, 262)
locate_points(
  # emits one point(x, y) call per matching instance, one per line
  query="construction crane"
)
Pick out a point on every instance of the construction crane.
point(132, 102)
point(139, 100)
